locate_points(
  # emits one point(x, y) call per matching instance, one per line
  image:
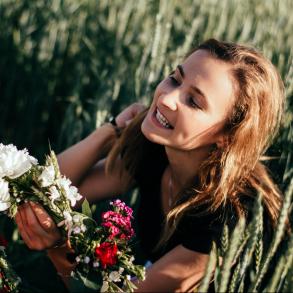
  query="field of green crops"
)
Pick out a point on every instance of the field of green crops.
point(64, 64)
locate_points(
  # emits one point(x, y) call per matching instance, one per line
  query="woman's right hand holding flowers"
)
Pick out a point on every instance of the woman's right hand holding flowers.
point(36, 227)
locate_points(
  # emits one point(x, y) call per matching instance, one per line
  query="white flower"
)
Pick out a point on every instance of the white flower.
point(96, 264)
point(71, 192)
point(128, 277)
point(47, 177)
point(76, 218)
point(77, 259)
point(114, 276)
point(14, 163)
point(4, 195)
point(76, 230)
point(67, 221)
point(54, 193)
point(86, 259)
point(83, 228)
point(105, 286)
point(121, 270)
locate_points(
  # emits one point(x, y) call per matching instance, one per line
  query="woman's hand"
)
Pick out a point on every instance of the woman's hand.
point(36, 227)
point(125, 117)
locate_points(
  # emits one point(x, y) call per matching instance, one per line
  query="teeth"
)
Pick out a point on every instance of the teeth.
point(162, 119)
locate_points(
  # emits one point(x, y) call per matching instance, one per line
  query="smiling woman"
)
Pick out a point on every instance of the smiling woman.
point(194, 155)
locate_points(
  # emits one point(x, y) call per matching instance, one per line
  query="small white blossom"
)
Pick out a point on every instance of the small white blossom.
point(76, 230)
point(77, 259)
point(47, 177)
point(14, 162)
point(67, 221)
point(76, 218)
point(105, 286)
point(114, 276)
point(83, 228)
point(96, 264)
point(121, 270)
point(71, 192)
point(128, 277)
point(4, 195)
point(86, 259)
point(54, 193)
point(131, 259)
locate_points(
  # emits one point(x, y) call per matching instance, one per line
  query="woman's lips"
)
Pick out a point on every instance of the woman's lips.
point(156, 122)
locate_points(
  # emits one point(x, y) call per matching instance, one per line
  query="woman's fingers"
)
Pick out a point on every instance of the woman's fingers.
point(22, 228)
point(36, 227)
point(43, 218)
point(32, 222)
point(126, 116)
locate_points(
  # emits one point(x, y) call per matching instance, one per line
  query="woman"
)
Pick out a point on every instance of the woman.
point(194, 154)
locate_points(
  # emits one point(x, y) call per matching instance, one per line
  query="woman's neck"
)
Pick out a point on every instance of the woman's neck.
point(184, 165)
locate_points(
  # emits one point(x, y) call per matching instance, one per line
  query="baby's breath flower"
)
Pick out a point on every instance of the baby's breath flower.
point(83, 228)
point(76, 230)
point(86, 259)
point(121, 270)
point(76, 218)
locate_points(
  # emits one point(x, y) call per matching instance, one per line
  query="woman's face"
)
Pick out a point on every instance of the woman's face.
point(190, 106)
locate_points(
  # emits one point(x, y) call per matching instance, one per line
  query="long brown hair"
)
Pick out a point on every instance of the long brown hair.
point(234, 170)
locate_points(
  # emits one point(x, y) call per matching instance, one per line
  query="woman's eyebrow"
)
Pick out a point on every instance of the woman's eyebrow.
point(194, 88)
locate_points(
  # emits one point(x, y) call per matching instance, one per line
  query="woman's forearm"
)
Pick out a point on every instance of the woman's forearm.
point(75, 161)
point(59, 258)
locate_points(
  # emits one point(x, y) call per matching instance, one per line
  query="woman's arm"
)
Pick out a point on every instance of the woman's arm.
point(77, 160)
point(180, 270)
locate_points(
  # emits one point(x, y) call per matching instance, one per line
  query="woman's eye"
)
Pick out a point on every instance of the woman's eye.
point(173, 80)
point(193, 104)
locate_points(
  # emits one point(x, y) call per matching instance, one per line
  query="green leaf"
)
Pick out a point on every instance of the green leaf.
point(86, 210)
point(85, 283)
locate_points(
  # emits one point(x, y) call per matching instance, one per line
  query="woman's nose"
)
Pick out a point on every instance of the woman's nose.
point(170, 100)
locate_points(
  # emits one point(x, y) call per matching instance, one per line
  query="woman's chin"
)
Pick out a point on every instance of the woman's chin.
point(151, 135)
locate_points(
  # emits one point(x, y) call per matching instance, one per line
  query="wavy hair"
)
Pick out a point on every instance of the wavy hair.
point(233, 171)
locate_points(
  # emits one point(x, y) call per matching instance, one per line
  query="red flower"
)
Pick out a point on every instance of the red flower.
point(107, 254)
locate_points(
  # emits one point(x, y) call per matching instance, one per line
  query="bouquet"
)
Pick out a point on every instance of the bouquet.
point(102, 253)
point(9, 281)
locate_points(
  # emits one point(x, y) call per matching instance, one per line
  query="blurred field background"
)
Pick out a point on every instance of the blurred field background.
point(65, 64)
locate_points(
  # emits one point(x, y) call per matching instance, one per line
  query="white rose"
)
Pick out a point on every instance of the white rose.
point(13, 162)
point(4, 195)
point(47, 177)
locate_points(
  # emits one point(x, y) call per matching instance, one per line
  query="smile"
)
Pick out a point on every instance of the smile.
point(162, 120)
